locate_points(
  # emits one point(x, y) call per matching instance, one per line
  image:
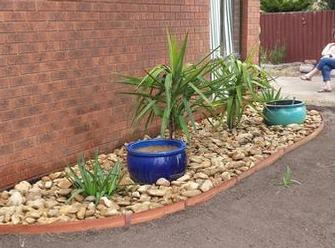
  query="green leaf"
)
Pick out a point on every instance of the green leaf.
point(180, 59)
point(184, 127)
point(168, 86)
point(146, 109)
point(189, 112)
point(96, 182)
point(200, 93)
point(165, 121)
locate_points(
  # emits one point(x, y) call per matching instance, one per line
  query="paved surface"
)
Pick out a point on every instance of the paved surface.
point(307, 90)
point(257, 213)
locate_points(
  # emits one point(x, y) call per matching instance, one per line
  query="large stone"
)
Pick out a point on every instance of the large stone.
point(7, 211)
point(206, 186)
point(144, 198)
point(126, 180)
point(34, 214)
point(64, 184)
point(36, 204)
point(191, 193)
point(226, 176)
point(64, 192)
point(123, 203)
point(157, 192)
point(236, 164)
point(33, 194)
point(4, 195)
point(68, 209)
point(30, 220)
point(109, 212)
point(295, 127)
point(140, 207)
point(89, 213)
point(53, 212)
point(217, 142)
point(184, 178)
point(313, 112)
point(108, 203)
point(48, 184)
point(200, 175)
point(55, 175)
point(306, 68)
point(23, 187)
point(16, 219)
point(238, 156)
point(196, 159)
point(136, 194)
point(217, 161)
point(81, 213)
point(143, 188)
point(51, 203)
point(244, 138)
point(190, 186)
point(163, 182)
point(206, 164)
point(15, 199)
point(90, 198)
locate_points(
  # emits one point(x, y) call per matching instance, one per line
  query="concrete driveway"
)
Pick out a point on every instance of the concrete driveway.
point(306, 90)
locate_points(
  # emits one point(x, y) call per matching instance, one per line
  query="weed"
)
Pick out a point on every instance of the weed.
point(287, 179)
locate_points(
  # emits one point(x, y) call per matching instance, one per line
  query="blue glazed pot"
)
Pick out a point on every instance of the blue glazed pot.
point(147, 167)
point(284, 112)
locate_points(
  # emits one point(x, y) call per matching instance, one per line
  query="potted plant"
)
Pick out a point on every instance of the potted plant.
point(284, 112)
point(171, 92)
point(280, 111)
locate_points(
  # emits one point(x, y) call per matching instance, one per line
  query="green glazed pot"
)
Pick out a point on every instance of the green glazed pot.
point(284, 112)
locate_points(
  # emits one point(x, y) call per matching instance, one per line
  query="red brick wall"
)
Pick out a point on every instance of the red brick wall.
point(58, 90)
point(250, 28)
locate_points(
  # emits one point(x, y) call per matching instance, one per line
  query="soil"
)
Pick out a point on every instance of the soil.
point(153, 149)
point(284, 70)
point(257, 213)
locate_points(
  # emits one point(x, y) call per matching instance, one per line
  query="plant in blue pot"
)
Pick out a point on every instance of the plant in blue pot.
point(281, 111)
point(171, 92)
point(284, 112)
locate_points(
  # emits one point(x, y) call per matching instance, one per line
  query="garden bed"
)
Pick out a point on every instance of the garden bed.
point(216, 156)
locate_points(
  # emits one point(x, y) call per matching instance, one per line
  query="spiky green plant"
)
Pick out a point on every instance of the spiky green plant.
point(269, 95)
point(172, 92)
point(287, 177)
point(96, 182)
point(236, 85)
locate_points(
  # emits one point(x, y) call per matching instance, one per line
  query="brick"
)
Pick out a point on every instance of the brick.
point(58, 84)
point(251, 20)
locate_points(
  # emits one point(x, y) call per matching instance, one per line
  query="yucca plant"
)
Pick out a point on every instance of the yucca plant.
point(236, 85)
point(95, 182)
point(269, 95)
point(172, 92)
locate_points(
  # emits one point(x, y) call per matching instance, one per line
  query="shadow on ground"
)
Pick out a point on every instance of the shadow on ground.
point(256, 213)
